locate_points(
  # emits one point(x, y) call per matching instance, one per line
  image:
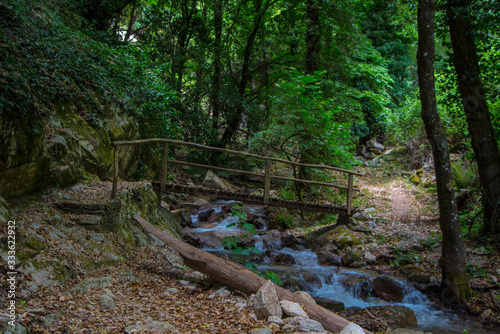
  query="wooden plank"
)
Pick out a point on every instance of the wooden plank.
point(267, 181)
point(349, 194)
point(177, 162)
point(221, 194)
point(164, 169)
point(222, 150)
point(115, 172)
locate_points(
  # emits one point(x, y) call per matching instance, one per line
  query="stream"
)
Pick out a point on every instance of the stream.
point(300, 269)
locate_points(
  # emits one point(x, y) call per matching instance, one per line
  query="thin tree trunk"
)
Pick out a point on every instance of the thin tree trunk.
point(455, 286)
point(313, 36)
point(216, 79)
point(484, 141)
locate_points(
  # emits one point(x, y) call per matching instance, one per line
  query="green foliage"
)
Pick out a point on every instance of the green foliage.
point(306, 125)
point(476, 270)
point(233, 243)
point(46, 62)
point(464, 174)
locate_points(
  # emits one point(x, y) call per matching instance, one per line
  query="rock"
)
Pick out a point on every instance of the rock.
point(275, 320)
point(204, 216)
point(266, 302)
point(289, 240)
point(373, 144)
point(370, 155)
point(96, 237)
point(17, 329)
point(92, 283)
point(360, 217)
point(106, 301)
point(486, 314)
point(361, 150)
point(313, 279)
point(293, 309)
point(305, 324)
point(351, 257)
point(4, 211)
point(406, 331)
point(261, 331)
point(91, 223)
point(397, 316)
point(283, 259)
point(417, 177)
point(330, 304)
point(352, 328)
point(419, 278)
point(153, 327)
point(370, 258)
point(305, 295)
point(213, 181)
point(344, 238)
point(387, 289)
point(327, 259)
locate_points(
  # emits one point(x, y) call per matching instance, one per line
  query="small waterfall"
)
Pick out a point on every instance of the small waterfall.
point(415, 297)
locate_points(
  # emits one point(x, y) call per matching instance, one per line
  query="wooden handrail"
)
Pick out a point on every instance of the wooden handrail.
point(267, 172)
point(223, 150)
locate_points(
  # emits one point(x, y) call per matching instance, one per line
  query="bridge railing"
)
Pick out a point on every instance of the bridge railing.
point(267, 175)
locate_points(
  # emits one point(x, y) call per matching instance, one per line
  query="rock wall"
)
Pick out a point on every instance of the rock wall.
point(62, 149)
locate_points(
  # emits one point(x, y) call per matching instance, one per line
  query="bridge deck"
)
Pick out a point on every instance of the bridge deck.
point(229, 195)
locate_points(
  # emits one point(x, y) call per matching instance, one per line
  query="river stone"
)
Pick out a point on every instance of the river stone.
point(351, 257)
point(305, 324)
point(360, 217)
point(266, 302)
point(387, 289)
point(352, 328)
point(330, 304)
point(397, 316)
point(293, 309)
point(327, 259)
point(409, 269)
point(370, 258)
point(153, 327)
point(289, 240)
point(345, 238)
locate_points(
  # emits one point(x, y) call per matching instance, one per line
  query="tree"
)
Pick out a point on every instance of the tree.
point(483, 138)
point(455, 286)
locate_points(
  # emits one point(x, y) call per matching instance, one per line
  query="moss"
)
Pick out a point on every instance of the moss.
point(345, 238)
point(35, 243)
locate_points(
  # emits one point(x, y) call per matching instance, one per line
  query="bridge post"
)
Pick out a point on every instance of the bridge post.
point(164, 169)
point(115, 172)
point(349, 193)
point(267, 181)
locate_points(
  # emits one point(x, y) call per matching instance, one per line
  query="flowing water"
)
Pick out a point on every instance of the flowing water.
point(346, 285)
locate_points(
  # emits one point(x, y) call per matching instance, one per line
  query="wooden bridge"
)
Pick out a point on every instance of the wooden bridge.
point(267, 176)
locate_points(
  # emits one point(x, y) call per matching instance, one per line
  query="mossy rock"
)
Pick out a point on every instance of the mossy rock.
point(345, 238)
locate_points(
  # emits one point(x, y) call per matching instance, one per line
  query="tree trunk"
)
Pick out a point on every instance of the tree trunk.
point(241, 278)
point(455, 287)
point(216, 79)
point(313, 35)
point(484, 141)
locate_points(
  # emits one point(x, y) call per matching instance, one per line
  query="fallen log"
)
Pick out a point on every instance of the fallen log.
point(241, 278)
